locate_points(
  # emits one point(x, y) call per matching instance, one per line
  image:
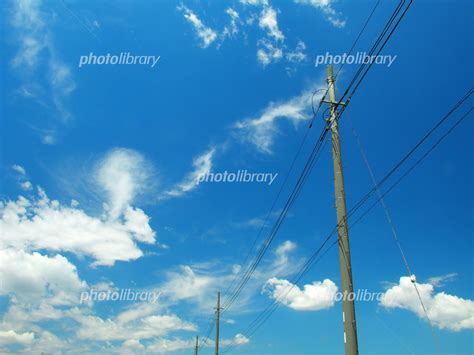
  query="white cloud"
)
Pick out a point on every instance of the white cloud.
point(41, 223)
point(133, 344)
point(282, 252)
point(313, 297)
point(148, 327)
point(439, 281)
point(62, 85)
point(261, 130)
point(28, 21)
point(12, 337)
point(138, 322)
point(254, 2)
point(201, 166)
point(198, 284)
point(445, 311)
point(41, 277)
point(206, 34)
point(232, 29)
point(21, 178)
point(326, 7)
point(165, 346)
point(138, 223)
point(191, 285)
point(123, 174)
point(268, 21)
point(19, 169)
point(26, 185)
point(268, 53)
point(298, 54)
point(241, 339)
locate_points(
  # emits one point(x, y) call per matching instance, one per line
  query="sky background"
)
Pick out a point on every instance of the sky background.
point(99, 166)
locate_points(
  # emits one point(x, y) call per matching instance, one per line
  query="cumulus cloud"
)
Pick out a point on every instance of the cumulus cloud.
point(41, 223)
point(326, 7)
point(202, 165)
point(262, 129)
point(150, 326)
point(38, 222)
point(241, 339)
point(41, 277)
point(11, 337)
point(445, 311)
point(313, 297)
point(206, 34)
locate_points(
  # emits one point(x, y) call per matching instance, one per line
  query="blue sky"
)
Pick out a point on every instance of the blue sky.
point(100, 162)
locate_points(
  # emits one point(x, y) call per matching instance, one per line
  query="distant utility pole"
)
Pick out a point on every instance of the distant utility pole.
point(218, 315)
point(196, 348)
point(348, 309)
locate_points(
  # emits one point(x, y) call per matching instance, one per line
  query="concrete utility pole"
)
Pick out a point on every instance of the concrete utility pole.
point(196, 348)
point(218, 315)
point(348, 309)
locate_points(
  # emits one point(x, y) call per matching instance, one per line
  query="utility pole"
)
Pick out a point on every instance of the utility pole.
point(348, 309)
point(218, 315)
point(196, 348)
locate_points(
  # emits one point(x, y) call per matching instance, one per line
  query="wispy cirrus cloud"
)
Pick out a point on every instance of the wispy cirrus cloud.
point(206, 34)
point(36, 56)
point(262, 129)
point(202, 165)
